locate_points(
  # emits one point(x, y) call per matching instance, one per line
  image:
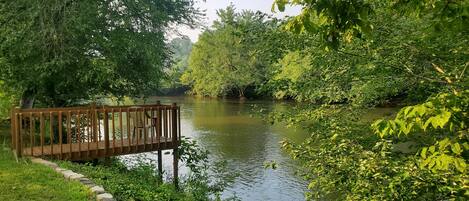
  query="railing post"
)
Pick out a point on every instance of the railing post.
point(106, 133)
point(175, 143)
point(17, 133)
point(158, 139)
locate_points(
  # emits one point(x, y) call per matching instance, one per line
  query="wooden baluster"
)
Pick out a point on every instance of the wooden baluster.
point(121, 130)
point(165, 125)
point(169, 127)
point(88, 132)
point(78, 132)
point(41, 122)
point(106, 134)
point(152, 127)
point(127, 117)
point(174, 124)
point(179, 125)
point(69, 134)
point(99, 126)
point(113, 133)
point(136, 133)
point(158, 125)
point(60, 134)
point(145, 132)
point(31, 132)
point(96, 130)
point(51, 134)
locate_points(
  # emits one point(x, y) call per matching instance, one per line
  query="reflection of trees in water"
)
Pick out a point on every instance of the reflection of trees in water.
point(236, 135)
point(235, 132)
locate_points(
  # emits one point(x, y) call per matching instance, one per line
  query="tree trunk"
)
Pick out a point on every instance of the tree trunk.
point(27, 100)
point(241, 95)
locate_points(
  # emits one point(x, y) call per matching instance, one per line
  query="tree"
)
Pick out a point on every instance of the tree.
point(59, 52)
point(229, 58)
point(181, 49)
point(397, 61)
point(420, 154)
point(343, 20)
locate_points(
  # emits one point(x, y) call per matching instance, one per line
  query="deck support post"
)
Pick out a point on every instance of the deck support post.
point(160, 165)
point(175, 143)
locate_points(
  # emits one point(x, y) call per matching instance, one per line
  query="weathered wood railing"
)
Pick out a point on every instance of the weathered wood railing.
point(83, 133)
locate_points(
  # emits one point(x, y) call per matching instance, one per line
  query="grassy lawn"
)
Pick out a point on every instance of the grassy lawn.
point(26, 181)
point(137, 184)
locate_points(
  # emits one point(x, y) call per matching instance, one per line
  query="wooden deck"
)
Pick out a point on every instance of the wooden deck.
point(85, 133)
point(93, 150)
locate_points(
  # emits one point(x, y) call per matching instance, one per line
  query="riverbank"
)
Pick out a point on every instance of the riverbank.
point(139, 183)
point(24, 180)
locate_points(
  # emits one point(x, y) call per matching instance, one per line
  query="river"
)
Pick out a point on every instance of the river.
point(232, 131)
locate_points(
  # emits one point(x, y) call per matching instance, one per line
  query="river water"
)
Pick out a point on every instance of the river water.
point(232, 131)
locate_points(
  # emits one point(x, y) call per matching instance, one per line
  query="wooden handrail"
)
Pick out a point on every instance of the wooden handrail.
point(99, 108)
point(75, 133)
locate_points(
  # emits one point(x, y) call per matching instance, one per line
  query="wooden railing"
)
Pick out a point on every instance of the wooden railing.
point(82, 133)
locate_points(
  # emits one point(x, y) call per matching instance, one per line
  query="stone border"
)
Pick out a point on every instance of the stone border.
point(101, 194)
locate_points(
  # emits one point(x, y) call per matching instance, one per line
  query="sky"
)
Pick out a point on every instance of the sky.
point(211, 7)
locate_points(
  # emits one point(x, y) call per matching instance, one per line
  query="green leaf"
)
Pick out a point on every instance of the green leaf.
point(423, 153)
point(456, 148)
point(441, 120)
point(432, 149)
point(460, 164)
point(443, 144)
point(465, 145)
point(420, 110)
point(280, 5)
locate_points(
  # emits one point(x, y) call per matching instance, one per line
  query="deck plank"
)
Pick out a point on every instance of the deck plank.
point(80, 151)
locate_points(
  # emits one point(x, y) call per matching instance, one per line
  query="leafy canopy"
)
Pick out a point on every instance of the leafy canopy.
point(343, 20)
point(62, 51)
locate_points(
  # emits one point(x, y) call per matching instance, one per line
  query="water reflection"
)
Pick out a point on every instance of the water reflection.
point(230, 131)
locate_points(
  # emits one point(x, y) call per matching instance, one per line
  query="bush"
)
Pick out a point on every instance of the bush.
point(136, 178)
point(344, 160)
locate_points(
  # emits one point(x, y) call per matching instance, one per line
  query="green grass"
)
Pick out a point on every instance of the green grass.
point(137, 184)
point(24, 180)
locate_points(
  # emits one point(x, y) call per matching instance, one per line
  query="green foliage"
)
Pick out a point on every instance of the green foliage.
point(335, 20)
point(343, 20)
point(343, 160)
point(206, 179)
point(181, 48)
point(62, 51)
point(137, 183)
point(136, 178)
point(229, 58)
point(399, 61)
point(440, 124)
point(6, 102)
